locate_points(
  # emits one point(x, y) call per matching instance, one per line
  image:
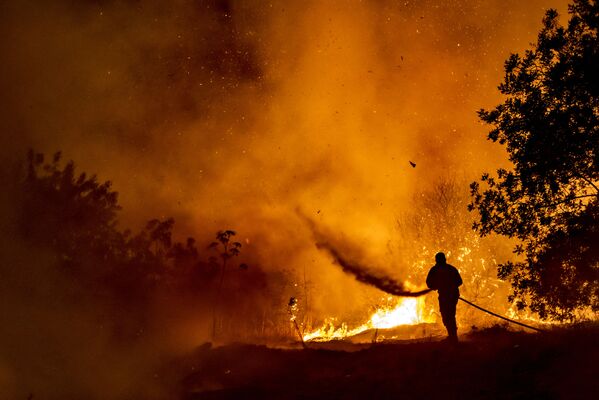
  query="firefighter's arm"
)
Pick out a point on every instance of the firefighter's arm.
point(458, 278)
point(431, 280)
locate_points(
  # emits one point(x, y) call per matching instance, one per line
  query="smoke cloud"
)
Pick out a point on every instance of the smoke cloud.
point(360, 272)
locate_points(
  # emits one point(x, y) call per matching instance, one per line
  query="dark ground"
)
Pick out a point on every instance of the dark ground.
point(491, 364)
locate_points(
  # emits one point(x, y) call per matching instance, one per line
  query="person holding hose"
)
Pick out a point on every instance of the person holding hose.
point(446, 280)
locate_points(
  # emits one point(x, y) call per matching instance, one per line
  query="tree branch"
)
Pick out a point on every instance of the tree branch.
point(567, 200)
point(591, 183)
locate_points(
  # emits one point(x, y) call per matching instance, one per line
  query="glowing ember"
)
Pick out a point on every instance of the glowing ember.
point(407, 311)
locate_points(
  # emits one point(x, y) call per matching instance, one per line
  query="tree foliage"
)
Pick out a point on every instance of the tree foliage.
point(549, 200)
point(74, 218)
point(73, 215)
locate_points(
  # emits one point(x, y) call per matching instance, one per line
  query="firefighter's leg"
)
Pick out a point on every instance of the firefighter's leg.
point(448, 310)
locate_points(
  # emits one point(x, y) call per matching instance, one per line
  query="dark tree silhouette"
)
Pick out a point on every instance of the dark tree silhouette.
point(549, 200)
point(227, 250)
point(73, 220)
point(73, 215)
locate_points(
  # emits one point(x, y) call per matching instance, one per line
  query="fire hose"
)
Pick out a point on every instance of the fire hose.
point(501, 316)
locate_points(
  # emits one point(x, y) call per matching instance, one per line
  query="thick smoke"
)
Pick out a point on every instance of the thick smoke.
point(365, 275)
point(360, 272)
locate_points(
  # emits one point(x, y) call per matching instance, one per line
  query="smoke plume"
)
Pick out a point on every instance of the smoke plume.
point(360, 272)
point(364, 275)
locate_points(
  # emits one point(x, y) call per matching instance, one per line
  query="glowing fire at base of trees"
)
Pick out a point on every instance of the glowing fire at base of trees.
point(406, 311)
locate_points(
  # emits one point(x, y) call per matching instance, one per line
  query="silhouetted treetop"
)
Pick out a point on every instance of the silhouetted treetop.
point(549, 123)
point(66, 211)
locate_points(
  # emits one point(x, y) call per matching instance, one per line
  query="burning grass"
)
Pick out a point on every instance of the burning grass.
point(408, 311)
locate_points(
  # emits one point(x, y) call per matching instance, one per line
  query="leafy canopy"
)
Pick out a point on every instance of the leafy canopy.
point(549, 200)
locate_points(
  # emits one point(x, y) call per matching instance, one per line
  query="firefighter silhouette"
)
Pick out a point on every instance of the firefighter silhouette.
point(446, 280)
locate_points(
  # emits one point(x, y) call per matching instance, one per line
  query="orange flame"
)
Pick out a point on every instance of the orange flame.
point(406, 311)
